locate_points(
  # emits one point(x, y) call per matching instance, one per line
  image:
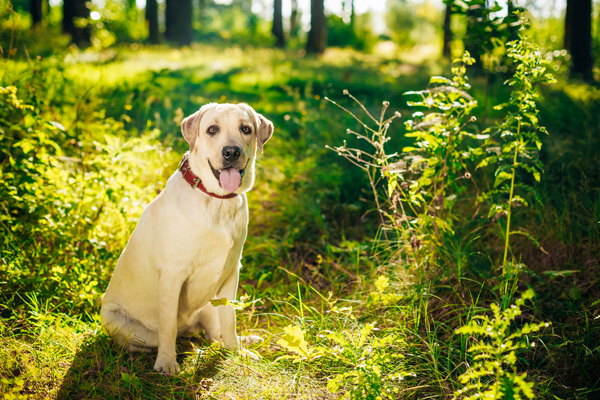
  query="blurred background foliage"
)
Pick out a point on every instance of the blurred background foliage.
point(92, 97)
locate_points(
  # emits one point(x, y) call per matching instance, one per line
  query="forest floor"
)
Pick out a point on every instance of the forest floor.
point(312, 231)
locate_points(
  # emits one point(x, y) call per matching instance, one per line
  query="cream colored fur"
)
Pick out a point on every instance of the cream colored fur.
point(187, 246)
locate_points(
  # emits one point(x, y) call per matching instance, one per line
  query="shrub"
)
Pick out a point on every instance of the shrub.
point(496, 352)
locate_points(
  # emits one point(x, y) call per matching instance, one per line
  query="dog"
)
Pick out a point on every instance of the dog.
point(187, 245)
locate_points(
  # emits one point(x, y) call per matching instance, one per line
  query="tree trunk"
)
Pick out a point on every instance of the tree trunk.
point(568, 17)
point(178, 21)
point(447, 53)
point(67, 16)
point(278, 24)
point(76, 9)
point(352, 15)
point(170, 11)
point(581, 38)
point(35, 8)
point(152, 19)
point(473, 42)
point(317, 37)
point(184, 22)
point(294, 19)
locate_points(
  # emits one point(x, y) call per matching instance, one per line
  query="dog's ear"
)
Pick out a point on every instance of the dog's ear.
point(191, 125)
point(264, 127)
point(264, 131)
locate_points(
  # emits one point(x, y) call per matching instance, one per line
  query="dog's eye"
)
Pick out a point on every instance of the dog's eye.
point(212, 130)
point(246, 130)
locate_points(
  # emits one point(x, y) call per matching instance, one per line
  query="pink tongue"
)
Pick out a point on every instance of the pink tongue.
point(230, 179)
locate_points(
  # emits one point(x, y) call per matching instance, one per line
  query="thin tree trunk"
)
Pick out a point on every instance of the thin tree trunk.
point(278, 24)
point(170, 12)
point(317, 37)
point(294, 19)
point(67, 20)
point(185, 31)
point(178, 21)
point(447, 52)
point(568, 17)
point(35, 8)
point(76, 9)
point(472, 42)
point(581, 39)
point(152, 19)
point(352, 15)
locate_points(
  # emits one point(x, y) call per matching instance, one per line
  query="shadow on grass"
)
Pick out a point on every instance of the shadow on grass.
point(101, 369)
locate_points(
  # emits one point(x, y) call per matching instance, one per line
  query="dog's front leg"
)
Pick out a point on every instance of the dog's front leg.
point(227, 313)
point(169, 288)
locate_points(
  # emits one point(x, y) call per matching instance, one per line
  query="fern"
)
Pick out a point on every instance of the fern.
point(494, 373)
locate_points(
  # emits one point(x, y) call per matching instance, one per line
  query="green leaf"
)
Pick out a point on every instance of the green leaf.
point(29, 121)
point(56, 125)
point(501, 177)
point(220, 302)
point(554, 274)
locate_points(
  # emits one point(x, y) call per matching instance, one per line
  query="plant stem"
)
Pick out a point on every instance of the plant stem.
point(510, 198)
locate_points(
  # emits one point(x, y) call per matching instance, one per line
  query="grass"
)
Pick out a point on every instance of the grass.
point(311, 232)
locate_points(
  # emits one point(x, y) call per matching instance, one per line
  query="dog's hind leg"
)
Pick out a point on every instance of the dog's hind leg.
point(127, 331)
point(207, 319)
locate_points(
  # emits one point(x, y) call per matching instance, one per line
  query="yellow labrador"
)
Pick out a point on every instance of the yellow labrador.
point(187, 246)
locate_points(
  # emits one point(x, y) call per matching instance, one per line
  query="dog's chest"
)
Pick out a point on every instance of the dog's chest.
point(218, 243)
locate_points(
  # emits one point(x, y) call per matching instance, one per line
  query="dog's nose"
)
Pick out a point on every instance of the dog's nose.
point(231, 153)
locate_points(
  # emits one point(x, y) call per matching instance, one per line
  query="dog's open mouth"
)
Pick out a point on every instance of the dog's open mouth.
point(230, 178)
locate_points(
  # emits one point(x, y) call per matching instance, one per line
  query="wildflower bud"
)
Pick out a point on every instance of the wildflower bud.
point(386, 103)
point(468, 175)
point(345, 91)
point(397, 114)
point(473, 119)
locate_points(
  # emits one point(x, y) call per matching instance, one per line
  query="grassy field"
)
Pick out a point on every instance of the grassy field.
point(103, 138)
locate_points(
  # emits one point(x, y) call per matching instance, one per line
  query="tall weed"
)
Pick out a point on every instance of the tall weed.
point(417, 191)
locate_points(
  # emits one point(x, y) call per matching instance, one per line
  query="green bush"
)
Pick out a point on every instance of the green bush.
point(71, 193)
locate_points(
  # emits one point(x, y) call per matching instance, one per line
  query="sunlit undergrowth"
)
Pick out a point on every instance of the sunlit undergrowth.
point(101, 140)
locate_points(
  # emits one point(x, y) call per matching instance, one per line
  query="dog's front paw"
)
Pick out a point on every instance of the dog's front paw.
point(243, 352)
point(166, 364)
point(249, 340)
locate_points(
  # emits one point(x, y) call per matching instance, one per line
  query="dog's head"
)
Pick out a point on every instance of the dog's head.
point(223, 140)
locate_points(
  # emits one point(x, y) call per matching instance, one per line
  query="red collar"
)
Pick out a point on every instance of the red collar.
point(195, 182)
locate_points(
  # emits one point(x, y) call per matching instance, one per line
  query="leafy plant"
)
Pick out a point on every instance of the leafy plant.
point(370, 362)
point(71, 191)
point(11, 389)
point(381, 294)
point(437, 161)
point(367, 365)
point(493, 374)
point(294, 342)
point(519, 144)
point(423, 183)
